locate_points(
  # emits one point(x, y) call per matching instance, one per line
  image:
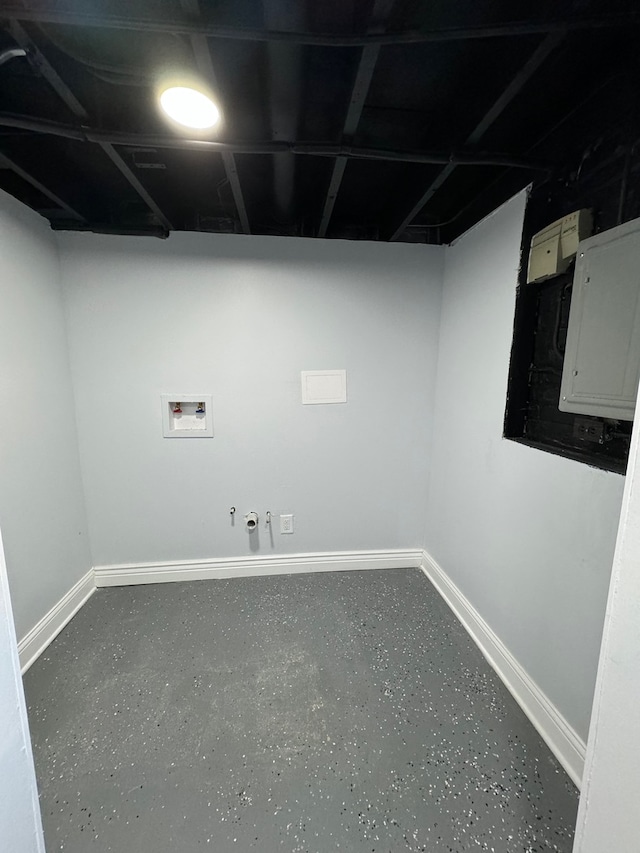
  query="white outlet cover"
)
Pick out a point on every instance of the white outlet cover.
point(286, 524)
point(324, 386)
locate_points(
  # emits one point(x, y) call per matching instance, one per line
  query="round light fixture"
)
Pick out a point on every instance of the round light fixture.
point(189, 107)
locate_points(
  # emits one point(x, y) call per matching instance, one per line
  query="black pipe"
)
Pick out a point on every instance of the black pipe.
point(15, 12)
point(314, 149)
point(11, 53)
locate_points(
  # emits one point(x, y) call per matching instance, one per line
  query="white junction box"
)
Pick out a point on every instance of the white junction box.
point(324, 386)
point(553, 248)
point(187, 416)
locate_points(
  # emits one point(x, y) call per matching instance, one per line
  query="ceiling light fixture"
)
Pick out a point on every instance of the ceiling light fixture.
point(189, 107)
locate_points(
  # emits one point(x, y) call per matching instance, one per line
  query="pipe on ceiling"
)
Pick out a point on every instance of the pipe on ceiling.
point(284, 73)
point(54, 15)
point(11, 53)
point(313, 149)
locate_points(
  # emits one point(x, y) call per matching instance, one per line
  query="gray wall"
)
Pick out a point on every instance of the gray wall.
point(528, 537)
point(41, 505)
point(240, 317)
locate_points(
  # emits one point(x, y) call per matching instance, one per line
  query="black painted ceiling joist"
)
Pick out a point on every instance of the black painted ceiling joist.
point(296, 77)
point(48, 72)
point(364, 75)
point(284, 99)
point(47, 13)
point(535, 61)
point(204, 62)
point(127, 173)
point(7, 163)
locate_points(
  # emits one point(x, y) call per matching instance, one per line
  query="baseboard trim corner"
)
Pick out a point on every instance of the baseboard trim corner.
point(229, 567)
point(563, 741)
point(47, 629)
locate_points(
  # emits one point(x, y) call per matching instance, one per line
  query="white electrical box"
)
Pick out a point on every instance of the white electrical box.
point(553, 248)
point(602, 356)
point(187, 416)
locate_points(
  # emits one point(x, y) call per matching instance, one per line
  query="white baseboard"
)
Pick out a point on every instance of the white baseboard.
point(47, 629)
point(229, 567)
point(567, 746)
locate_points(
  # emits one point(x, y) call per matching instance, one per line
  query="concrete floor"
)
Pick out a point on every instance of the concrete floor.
point(303, 713)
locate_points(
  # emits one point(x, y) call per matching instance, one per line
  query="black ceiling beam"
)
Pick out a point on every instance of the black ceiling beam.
point(128, 173)
point(516, 85)
point(44, 67)
point(616, 77)
point(231, 169)
point(7, 163)
point(284, 89)
point(364, 75)
point(314, 149)
point(45, 14)
point(505, 174)
point(204, 62)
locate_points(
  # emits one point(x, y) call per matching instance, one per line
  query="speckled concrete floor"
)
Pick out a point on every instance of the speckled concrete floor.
point(303, 713)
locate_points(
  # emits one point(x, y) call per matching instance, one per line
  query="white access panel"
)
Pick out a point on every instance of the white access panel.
point(602, 357)
point(324, 386)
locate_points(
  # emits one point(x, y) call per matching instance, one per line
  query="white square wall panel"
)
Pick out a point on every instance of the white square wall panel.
point(187, 416)
point(324, 386)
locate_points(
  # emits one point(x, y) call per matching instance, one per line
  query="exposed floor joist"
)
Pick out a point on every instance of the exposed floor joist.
point(364, 75)
point(204, 62)
point(298, 81)
point(459, 214)
point(124, 170)
point(525, 74)
point(285, 96)
point(44, 67)
point(7, 163)
point(48, 72)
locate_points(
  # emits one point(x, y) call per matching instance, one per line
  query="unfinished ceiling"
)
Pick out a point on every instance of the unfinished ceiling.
point(365, 119)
